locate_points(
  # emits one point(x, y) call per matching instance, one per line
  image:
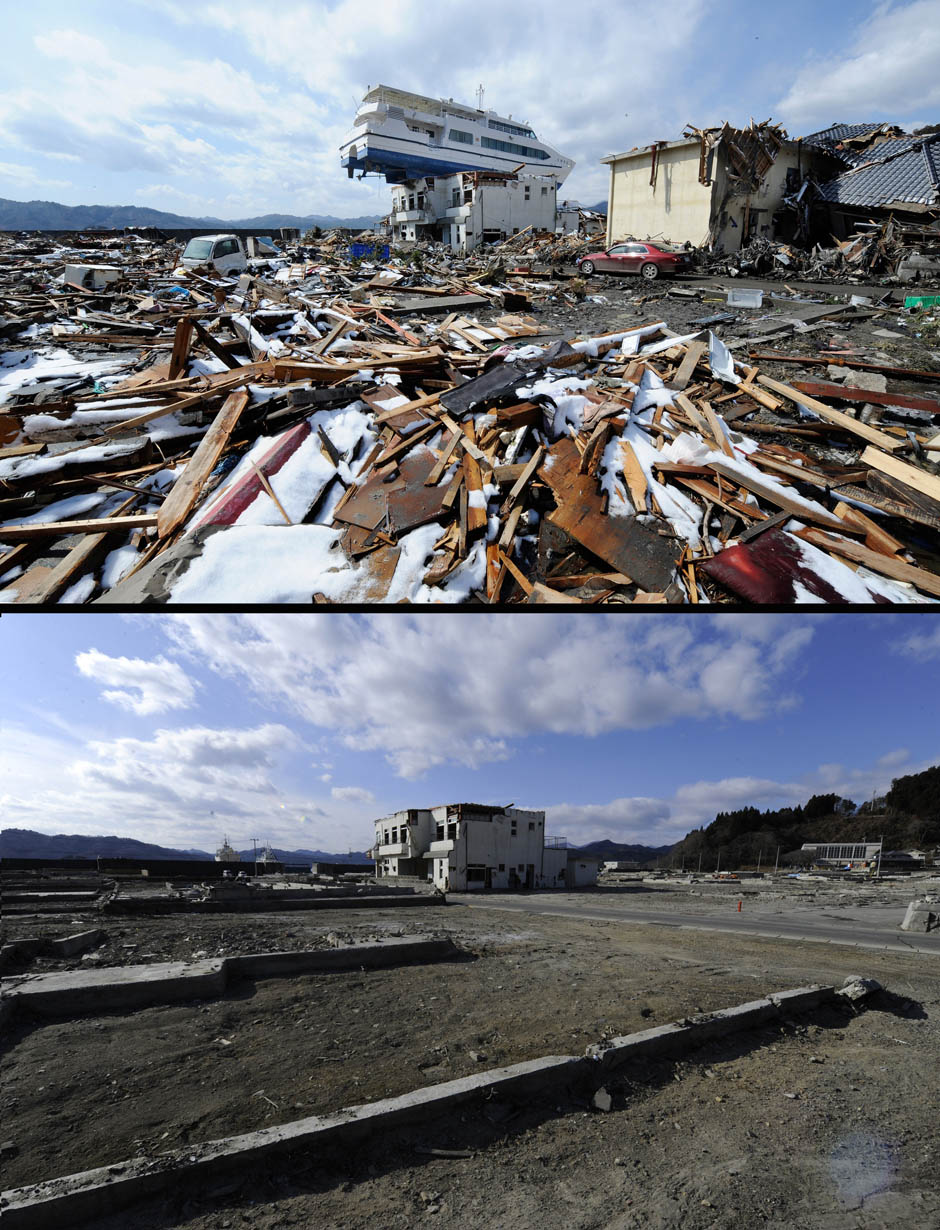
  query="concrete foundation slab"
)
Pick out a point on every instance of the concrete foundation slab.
point(79, 1198)
point(78, 992)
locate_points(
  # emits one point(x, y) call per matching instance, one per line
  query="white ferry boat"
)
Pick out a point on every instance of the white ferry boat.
point(226, 854)
point(408, 136)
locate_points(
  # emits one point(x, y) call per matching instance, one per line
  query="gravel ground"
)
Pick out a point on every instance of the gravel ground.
point(713, 1141)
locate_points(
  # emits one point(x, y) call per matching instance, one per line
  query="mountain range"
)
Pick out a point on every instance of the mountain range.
point(51, 216)
point(25, 843)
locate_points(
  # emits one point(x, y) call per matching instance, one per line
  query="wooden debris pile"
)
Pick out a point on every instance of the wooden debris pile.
point(325, 431)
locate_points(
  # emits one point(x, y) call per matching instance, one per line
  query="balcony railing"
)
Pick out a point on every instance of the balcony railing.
point(556, 843)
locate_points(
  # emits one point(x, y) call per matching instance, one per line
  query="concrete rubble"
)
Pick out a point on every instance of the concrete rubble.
point(332, 428)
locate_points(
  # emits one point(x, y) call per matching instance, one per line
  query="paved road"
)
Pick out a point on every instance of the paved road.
point(825, 929)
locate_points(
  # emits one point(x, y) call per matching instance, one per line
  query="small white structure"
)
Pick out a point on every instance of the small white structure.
point(227, 853)
point(853, 855)
point(91, 277)
point(467, 847)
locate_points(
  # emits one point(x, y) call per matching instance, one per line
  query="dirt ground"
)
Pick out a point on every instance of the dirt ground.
point(831, 1122)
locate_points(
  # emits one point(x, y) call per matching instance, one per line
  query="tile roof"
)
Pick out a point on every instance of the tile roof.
point(840, 132)
point(904, 170)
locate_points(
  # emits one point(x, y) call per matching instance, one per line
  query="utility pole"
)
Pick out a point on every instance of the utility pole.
point(700, 860)
point(777, 861)
point(759, 857)
point(254, 846)
point(718, 864)
point(880, 848)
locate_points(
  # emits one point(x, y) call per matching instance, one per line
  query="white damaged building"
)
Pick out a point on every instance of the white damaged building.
point(467, 847)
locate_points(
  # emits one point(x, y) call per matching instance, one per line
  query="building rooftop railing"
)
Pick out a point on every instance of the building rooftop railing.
point(556, 843)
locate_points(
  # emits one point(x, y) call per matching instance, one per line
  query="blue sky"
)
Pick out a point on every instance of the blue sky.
point(303, 729)
point(237, 107)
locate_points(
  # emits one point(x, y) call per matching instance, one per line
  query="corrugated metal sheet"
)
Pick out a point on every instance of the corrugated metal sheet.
point(906, 170)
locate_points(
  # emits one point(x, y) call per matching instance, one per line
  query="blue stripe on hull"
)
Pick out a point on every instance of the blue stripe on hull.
point(416, 166)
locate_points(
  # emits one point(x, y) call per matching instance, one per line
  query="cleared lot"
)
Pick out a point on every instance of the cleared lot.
point(94, 1091)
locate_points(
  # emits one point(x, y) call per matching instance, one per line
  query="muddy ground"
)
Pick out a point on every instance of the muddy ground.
point(713, 1141)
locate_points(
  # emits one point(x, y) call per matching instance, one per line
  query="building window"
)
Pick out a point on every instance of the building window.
point(531, 826)
point(544, 192)
point(509, 147)
point(455, 197)
point(521, 867)
point(429, 184)
point(513, 129)
point(455, 134)
point(502, 866)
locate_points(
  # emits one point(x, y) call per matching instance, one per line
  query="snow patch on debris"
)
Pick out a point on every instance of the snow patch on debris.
point(300, 560)
point(19, 368)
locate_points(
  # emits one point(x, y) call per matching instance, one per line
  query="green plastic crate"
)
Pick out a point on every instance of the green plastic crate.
point(922, 301)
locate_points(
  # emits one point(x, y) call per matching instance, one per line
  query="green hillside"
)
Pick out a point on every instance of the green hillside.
point(907, 817)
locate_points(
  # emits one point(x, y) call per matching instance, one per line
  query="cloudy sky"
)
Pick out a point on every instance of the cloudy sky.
point(237, 107)
point(303, 729)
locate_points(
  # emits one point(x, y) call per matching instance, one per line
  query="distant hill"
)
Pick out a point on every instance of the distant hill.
point(615, 851)
point(24, 843)
point(308, 856)
point(907, 817)
point(50, 216)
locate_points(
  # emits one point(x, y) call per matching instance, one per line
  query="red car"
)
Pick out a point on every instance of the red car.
point(645, 259)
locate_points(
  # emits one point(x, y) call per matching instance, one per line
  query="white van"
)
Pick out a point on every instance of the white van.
point(222, 252)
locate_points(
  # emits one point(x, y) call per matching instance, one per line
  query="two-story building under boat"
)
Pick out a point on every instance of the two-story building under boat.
point(461, 175)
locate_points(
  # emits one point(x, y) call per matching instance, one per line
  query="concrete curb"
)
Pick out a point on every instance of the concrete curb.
point(270, 905)
point(66, 946)
point(60, 1204)
point(77, 992)
point(679, 1036)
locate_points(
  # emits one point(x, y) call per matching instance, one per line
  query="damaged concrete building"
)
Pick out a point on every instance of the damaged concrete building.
point(461, 175)
point(721, 188)
point(467, 847)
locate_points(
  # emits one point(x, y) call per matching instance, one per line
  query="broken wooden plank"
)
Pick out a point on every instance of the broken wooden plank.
point(185, 492)
point(634, 476)
point(628, 544)
point(693, 355)
point(920, 480)
point(833, 416)
point(877, 538)
point(57, 579)
point(181, 343)
point(886, 565)
point(522, 481)
point(765, 491)
point(779, 356)
point(61, 529)
point(869, 396)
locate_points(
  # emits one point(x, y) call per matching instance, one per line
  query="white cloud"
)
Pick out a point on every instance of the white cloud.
point(140, 686)
point(262, 127)
point(458, 689)
point(182, 788)
point(660, 822)
point(924, 645)
point(326, 777)
point(890, 69)
point(352, 794)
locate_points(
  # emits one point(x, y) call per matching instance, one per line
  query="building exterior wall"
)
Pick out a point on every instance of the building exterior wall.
point(469, 848)
point(677, 207)
point(456, 210)
point(680, 209)
point(743, 217)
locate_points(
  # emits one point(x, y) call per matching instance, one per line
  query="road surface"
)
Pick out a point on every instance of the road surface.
point(861, 927)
